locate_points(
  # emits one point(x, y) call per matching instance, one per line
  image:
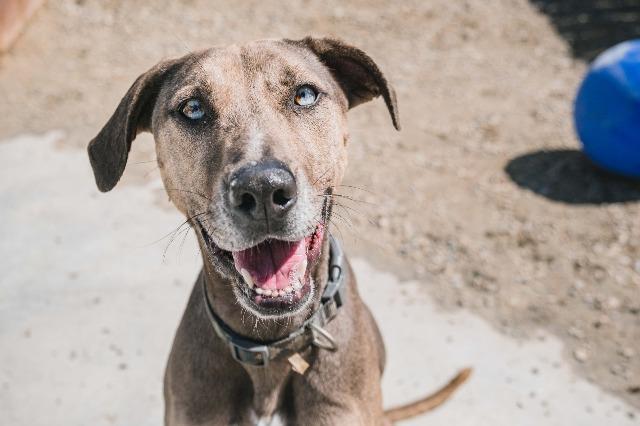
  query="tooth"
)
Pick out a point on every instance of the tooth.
point(288, 289)
point(297, 285)
point(281, 293)
point(267, 292)
point(247, 277)
point(302, 270)
point(259, 290)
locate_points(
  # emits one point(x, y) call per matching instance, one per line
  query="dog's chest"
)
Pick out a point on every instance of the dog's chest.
point(275, 420)
point(267, 387)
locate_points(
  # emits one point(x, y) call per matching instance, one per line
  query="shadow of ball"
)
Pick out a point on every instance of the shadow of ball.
point(607, 110)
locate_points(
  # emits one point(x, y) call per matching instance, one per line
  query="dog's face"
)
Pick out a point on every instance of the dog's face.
point(250, 141)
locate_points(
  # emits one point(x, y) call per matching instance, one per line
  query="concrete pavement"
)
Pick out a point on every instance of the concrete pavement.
point(89, 302)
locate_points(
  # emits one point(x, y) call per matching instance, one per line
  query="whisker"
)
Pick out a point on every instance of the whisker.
point(352, 209)
point(173, 231)
point(190, 192)
point(184, 238)
point(355, 200)
point(346, 209)
point(164, 253)
point(358, 188)
point(328, 220)
point(344, 220)
point(177, 232)
point(335, 225)
point(321, 176)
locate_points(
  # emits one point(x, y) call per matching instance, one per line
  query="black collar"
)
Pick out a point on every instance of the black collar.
point(256, 353)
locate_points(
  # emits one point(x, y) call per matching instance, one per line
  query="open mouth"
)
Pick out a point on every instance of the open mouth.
point(275, 274)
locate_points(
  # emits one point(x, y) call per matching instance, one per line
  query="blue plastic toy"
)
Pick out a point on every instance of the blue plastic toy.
point(607, 110)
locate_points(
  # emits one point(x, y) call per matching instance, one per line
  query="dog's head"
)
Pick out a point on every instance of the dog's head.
point(250, 141)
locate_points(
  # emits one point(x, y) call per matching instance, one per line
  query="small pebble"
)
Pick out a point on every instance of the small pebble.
point(613, 303)
point(575, 332)
point(628, 352)
point(617, 370)
point(581, 354)
point(383, 222)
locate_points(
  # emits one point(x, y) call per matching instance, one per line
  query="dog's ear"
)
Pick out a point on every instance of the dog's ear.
point(359, 77)
point(109, 150)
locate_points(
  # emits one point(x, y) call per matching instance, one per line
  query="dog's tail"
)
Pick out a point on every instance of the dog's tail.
point(430, 402)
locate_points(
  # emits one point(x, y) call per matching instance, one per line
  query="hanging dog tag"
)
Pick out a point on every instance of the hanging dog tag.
point(298, 364)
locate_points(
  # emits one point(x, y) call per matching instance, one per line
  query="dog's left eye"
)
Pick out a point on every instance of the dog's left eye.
point(305, 96)
point(193, 110)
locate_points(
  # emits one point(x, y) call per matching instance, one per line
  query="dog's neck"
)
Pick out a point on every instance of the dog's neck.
point(248, 324)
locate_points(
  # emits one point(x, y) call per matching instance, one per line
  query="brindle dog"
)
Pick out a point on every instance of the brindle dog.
point(251, 141)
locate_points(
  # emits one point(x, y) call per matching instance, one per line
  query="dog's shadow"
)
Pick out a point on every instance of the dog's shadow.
point(568, 176)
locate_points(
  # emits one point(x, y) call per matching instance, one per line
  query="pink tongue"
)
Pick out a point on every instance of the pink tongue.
point(273, 262)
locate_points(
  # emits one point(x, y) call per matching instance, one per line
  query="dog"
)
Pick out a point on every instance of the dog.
point(251, 143)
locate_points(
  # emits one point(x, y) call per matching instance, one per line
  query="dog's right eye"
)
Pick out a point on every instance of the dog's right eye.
point(305, 96)
point(192, 109)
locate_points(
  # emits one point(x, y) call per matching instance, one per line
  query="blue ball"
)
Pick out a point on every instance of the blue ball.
point(607, 110)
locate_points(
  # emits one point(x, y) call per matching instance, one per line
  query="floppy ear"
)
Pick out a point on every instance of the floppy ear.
point(109, 150)
point(359, 77)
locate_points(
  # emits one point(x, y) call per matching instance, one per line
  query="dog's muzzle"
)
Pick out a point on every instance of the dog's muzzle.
point(312, 332)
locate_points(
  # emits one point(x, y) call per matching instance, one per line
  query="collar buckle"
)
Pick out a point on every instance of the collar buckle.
point(333, 296)
point(257, 355)
point(322, 338)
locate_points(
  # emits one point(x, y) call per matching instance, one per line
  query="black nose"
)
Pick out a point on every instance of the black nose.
point(262, 189)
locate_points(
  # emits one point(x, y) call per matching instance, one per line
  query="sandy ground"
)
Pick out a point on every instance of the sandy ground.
point(482, 199)
point(86, 327)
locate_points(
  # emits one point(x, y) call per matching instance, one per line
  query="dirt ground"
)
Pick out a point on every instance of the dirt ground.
point(482, 197)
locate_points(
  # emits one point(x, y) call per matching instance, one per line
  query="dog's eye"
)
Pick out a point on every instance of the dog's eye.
point(193, 110)
point(305, 96)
